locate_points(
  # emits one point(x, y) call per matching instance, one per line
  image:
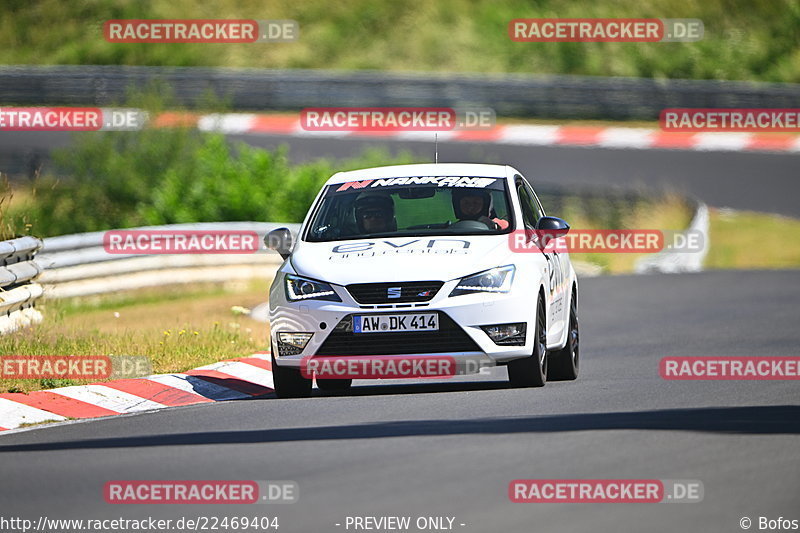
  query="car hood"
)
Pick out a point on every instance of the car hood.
point(400, 258)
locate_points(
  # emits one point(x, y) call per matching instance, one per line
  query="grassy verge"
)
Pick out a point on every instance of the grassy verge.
point(13, 222)
point(743, 239)
point(739, 239)
point(6, 196)
point(171, 176)
point(669, 213)
point(177, 328)
point(748, 41)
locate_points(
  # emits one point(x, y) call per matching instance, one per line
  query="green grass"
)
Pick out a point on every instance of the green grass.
point(743, 239)
point(172, 176)
point(670, 212)
point(743, 40)
point(738, 239)
point(43, 422)
point(6, 230)
point(12, 224)
point(188, 327)
point(121, 300)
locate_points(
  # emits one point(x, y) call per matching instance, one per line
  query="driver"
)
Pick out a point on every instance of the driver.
point(375, 213)
point(476, 204)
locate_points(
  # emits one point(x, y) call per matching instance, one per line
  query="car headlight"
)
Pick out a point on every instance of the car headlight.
point(493, 280)
point(298, 288)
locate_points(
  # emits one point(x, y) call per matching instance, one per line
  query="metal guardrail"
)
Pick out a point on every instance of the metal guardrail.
point(18, 291)
point(679, 262)
point(79, 265)
point(509, 95)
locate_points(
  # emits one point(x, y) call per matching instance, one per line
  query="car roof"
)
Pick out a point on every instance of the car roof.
point(424, 169)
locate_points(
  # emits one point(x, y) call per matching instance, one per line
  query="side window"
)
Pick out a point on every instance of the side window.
point(529, 215)
point(537, 205)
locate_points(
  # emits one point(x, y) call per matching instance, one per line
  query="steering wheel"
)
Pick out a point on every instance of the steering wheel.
point(469, 224)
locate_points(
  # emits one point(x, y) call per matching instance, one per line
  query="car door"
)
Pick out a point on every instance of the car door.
point(561, 290)
point(555, 273)
point(530, 215)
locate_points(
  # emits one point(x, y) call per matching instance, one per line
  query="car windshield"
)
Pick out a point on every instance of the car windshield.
point(411, 206)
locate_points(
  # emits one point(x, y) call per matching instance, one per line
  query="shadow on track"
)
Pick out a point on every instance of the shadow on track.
point(418, 387)
point(761, 420)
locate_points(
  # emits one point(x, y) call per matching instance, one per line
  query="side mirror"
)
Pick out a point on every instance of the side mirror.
point(551, 228)
point(279, 240)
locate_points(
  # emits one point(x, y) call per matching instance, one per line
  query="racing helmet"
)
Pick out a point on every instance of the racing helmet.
point(486, 210)
point(374, 204)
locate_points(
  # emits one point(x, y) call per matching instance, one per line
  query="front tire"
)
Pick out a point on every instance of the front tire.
point(289, 382)
point(565, 362)
point(531, 371)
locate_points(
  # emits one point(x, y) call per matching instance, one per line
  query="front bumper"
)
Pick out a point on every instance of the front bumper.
point(463, 315)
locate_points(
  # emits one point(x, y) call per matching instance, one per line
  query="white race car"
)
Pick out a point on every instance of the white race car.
point(418, 260)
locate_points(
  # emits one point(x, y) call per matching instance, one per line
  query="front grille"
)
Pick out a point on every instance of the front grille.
point(397, 292)
point(449, 338)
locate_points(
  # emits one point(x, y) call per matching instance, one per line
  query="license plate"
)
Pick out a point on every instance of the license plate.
point(395, 323)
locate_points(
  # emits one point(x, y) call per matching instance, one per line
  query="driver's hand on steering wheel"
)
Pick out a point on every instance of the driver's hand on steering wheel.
point(489, 222)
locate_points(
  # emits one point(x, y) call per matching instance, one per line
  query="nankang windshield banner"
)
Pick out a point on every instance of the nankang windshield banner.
point(433, 181)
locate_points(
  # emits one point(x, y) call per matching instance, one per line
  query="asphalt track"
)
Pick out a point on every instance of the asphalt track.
point(757, 181)
point(451, 448)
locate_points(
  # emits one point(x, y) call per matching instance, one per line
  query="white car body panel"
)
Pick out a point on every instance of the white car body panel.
point(441, 258)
